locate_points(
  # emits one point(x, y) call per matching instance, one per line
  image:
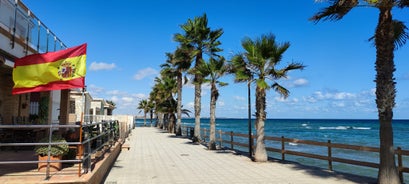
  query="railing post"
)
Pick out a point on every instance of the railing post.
point(221, 138)
point(231, 139)
point(252, 144)
point(329, 155)
point(282, 148)
point(400, 163)
point(204, 134)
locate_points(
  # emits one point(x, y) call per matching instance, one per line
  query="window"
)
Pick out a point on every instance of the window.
point(72, 107)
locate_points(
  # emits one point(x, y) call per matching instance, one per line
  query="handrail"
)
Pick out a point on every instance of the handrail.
point(328, 157)
point(101, 135)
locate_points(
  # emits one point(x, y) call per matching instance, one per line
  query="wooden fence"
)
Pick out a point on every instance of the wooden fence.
point(231, 143)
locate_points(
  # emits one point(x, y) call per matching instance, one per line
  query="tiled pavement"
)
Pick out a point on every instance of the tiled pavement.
point(158, 157)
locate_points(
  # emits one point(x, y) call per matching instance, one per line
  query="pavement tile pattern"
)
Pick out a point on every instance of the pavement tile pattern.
point(157, 157)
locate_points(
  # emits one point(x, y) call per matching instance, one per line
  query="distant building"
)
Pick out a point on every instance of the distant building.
point(92, 109)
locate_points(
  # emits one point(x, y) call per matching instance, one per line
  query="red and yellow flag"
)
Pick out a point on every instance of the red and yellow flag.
point(63, 69)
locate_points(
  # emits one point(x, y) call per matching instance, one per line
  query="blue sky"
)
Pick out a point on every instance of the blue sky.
point(127, 41)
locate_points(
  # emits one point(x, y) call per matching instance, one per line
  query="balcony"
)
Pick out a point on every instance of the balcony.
point(22, 33)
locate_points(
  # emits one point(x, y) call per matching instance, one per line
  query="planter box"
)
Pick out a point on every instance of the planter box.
point(42, 167)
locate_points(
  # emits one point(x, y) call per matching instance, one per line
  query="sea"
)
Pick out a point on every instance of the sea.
point(360, 132)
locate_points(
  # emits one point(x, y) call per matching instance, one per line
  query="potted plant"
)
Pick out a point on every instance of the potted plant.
point(56, 152)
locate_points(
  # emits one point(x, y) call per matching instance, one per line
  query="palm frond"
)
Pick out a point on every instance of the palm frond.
point(277, 74)
point(336, 11)
point(281, 90)
point(400, 32)
point(403, 3)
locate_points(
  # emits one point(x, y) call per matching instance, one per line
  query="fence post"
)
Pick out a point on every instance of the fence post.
point(231, 139)
point(221, 138)
point(204, 134)
point(282, 148)
point(400, 164)
point(252, 144)
point(329, 155)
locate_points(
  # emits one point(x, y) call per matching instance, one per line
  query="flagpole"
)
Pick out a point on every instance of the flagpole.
point(80, 140)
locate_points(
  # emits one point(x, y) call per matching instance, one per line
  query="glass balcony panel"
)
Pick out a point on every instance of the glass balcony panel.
point(22, 24)
point(7, 14)
point(51, 43)
point(43, 39)
point(33, 38)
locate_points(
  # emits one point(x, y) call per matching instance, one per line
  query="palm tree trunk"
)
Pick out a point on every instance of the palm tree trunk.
point(179, 106)
point(212, 142)
point(151, 116)
point(198, 96)
point(171, 123)
point(385, 96)
point(260, 154)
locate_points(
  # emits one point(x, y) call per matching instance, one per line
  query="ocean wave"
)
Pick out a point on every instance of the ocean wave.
point(361, 128)
point(344, 128)
point(292, 144)
point(304, 124)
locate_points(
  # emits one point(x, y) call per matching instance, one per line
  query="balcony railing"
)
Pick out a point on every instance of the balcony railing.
point(21, 26)
point(97, 139)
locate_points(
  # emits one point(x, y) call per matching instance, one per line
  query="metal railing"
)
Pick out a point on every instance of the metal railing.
point(234, 141)
point(97, 138)
point(26, 29)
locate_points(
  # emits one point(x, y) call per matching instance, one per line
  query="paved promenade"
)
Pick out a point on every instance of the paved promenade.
point(157, 157)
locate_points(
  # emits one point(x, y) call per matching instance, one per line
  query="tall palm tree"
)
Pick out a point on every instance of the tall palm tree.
point(259, 62)
point(177, 63)
point(202, 39)
point(389, 34)
point(143, 106)
point(212, 71)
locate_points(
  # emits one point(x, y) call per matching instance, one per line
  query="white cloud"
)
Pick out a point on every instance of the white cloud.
point(220, 103)
point(114, 92)
point(338, 104)
point(94, 90)
point(333, 95)
point(127, 99)
point(300, 82)
point(191, 105)
point(240, 98)
point(140, 96)
point(144, 73)
point(95, 66)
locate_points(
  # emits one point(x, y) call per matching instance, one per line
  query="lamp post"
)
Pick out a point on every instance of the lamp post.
point(249, 123)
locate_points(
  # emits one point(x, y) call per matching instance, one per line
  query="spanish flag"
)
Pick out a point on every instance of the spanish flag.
point(63, 69)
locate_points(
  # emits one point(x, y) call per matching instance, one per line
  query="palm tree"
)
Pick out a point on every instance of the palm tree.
point(175, 65)
point(143, 106)
point(259, 62)
point(151, 107)
point(165, 88)
point(212, 71)
point(155, 98)
point(202, 39)
point(389, 34)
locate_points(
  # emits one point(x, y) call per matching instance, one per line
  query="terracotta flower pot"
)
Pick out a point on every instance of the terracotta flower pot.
point(56, 166)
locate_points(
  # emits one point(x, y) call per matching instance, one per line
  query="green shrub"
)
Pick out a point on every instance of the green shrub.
point(56, 150)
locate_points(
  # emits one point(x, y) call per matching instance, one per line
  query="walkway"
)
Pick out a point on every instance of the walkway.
point(157, 157)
